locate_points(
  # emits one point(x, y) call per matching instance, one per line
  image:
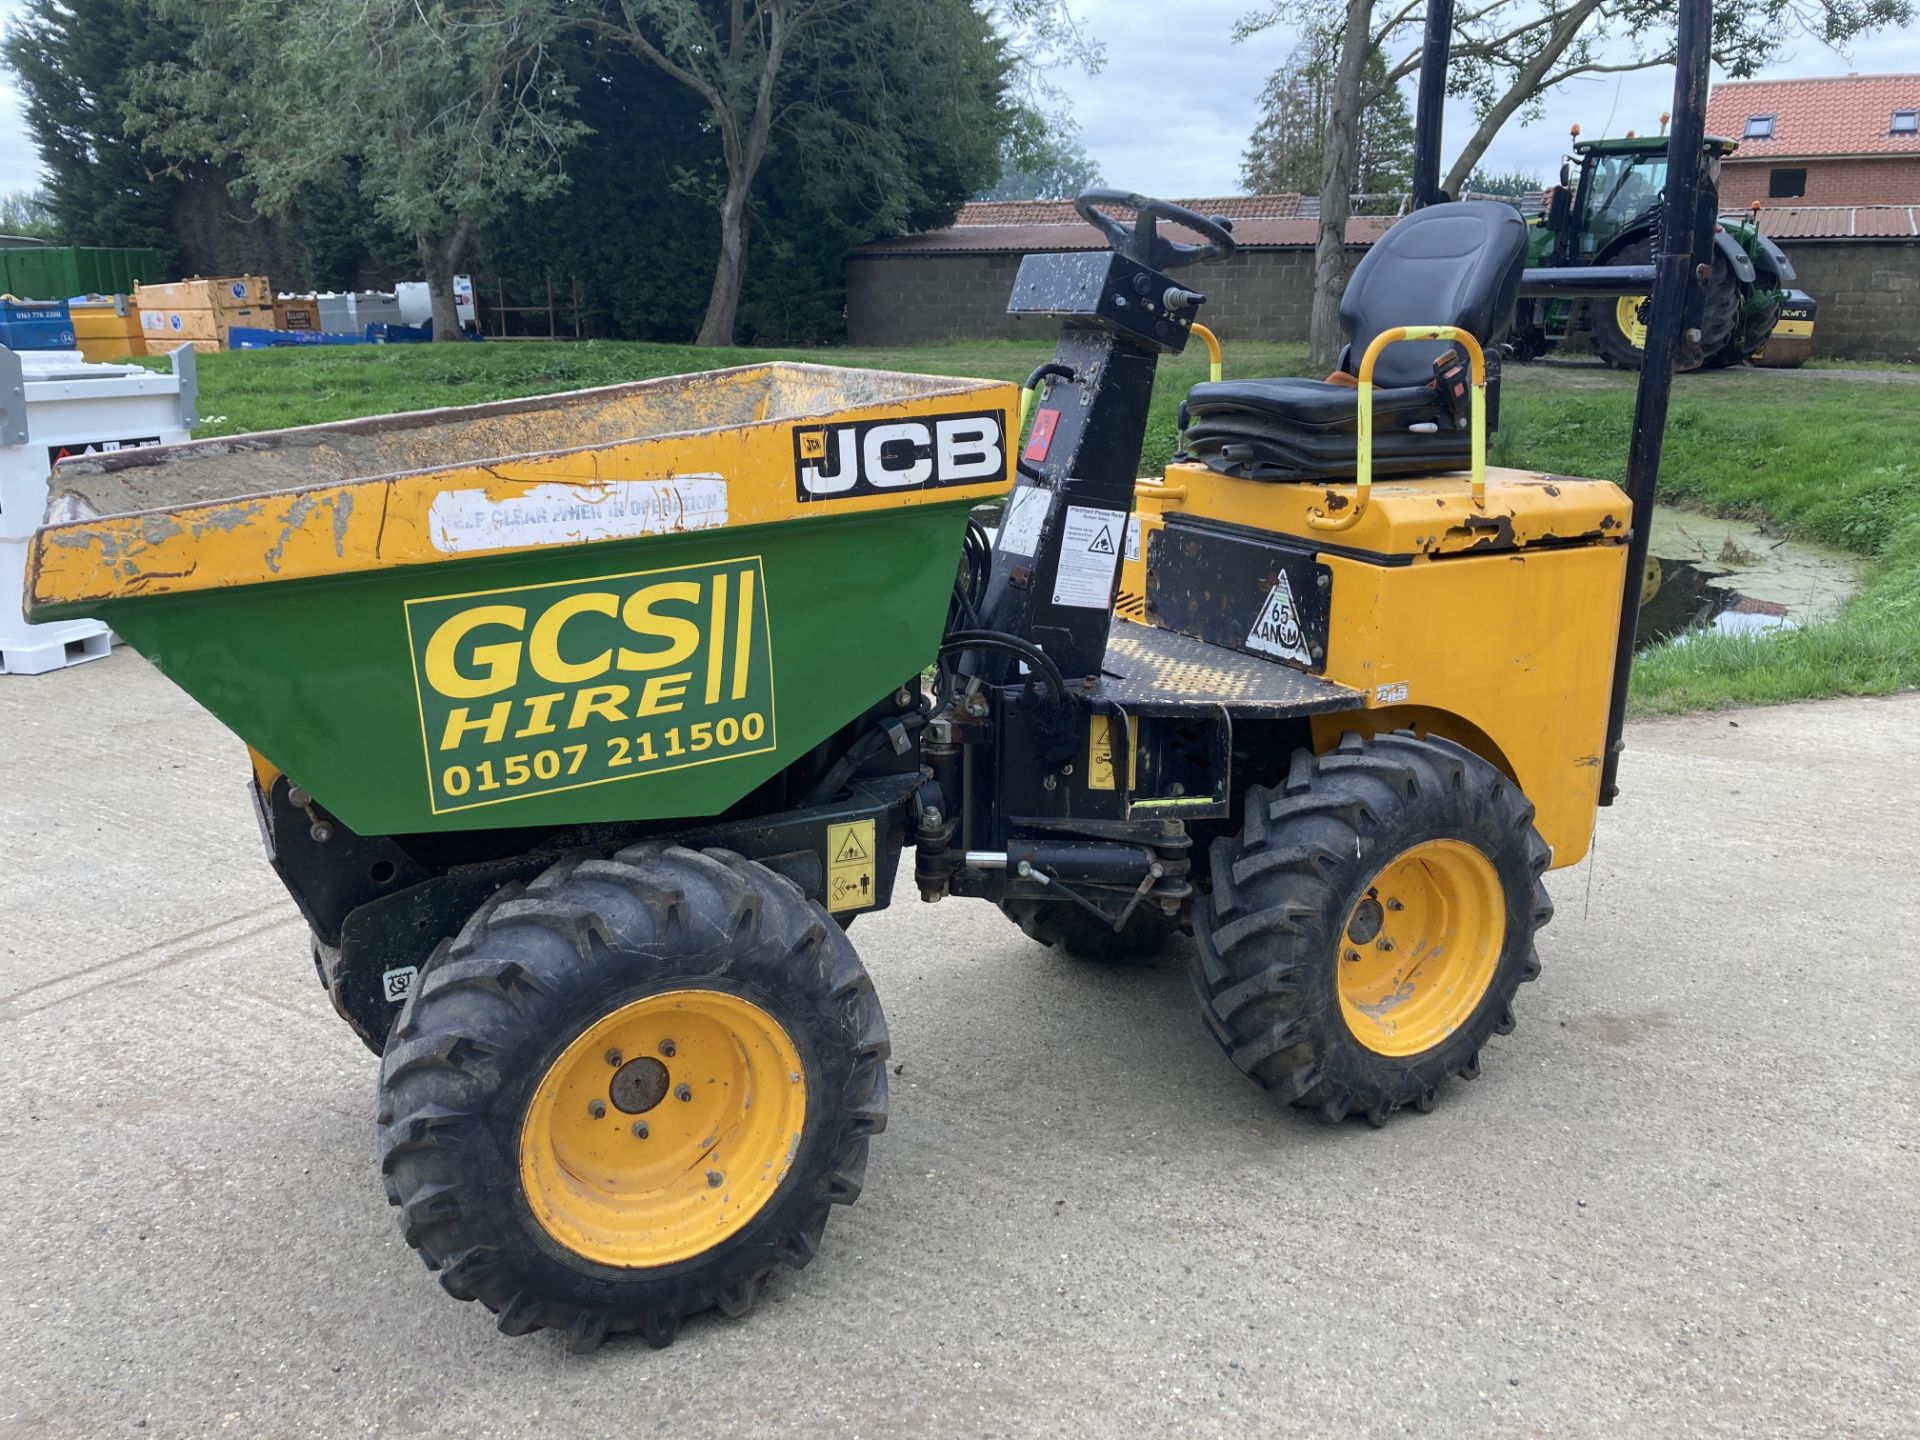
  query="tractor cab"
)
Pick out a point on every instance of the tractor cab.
point(1618, 188)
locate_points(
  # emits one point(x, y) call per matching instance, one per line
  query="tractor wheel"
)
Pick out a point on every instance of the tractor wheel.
point(1371, 923)
point(1063, 924)
point(1619, 326)
point(627, 1091)
point(1748, 337)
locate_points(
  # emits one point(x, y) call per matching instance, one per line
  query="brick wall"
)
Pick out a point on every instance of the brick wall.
point(1894, 180)
point(918, 299)
point(1869, 294)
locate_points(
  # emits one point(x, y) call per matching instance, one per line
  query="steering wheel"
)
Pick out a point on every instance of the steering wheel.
point(1142, 242)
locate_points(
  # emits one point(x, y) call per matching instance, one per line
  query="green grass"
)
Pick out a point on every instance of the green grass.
point(1820, 458)
point(270, 389)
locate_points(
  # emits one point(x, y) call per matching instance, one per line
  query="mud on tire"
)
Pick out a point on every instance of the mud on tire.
point(534, 969)
point(1274, 932)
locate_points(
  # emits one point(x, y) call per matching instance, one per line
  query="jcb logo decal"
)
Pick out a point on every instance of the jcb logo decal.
point(551, 687)
point(875, 457)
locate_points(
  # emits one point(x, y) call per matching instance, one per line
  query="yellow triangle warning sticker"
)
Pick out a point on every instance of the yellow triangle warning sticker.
point(850, 877)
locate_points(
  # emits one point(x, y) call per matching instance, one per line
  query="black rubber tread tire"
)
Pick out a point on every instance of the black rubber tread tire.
point(1747, 338)
point(1064, 925)
point(532, 969)
point(1268, 937)
point(1719, 316)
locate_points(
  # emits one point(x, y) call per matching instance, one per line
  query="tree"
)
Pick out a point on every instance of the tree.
point(1042, 159)
point(1512, 52)
point(1512, 184)
point(75, 61)
point(735, 57)
point(882, 130)
point(438, 111)
point(1288, 146)
point(28, 213)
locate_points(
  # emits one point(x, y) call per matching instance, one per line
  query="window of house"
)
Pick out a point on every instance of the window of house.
point(1906, 122)
point(1759, 127)
point(1787, 184)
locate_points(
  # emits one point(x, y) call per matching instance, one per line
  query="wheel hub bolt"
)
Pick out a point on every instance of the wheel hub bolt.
point(614, 1058)
point(639, 1129)
point(667, 1048)
point(683, 1092)
point(1353, 954)
point(1395, 905)
point(597, 1109)
point(1383, 944)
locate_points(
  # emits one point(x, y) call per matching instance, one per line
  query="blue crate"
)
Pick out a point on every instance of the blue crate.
point(242, 337)
point(36, 325)
point(378, 334)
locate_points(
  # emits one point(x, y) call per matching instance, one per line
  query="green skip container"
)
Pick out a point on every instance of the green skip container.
point(631, 603)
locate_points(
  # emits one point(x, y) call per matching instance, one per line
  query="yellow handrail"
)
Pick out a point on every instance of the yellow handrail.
point(1212, 342)
point(1363, 457)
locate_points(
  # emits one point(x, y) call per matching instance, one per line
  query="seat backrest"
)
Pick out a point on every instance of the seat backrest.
point(1452, 264)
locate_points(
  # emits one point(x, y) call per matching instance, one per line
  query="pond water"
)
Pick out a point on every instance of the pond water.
point(1704, 573)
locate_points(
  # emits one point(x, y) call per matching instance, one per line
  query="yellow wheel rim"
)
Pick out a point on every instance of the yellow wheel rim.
point(664, 1128)
point(1420, 947)
point(1630, 313)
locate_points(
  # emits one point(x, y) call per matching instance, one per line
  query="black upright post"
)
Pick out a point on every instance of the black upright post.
point(1674, 273)
point(1432, 98)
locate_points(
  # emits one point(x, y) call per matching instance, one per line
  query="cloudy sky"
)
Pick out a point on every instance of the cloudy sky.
point(1171, 111)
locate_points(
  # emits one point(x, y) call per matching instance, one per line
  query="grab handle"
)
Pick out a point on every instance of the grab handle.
point(1363, 459)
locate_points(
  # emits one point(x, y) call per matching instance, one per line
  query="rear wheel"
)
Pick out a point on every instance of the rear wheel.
point(1619, 325)
point(1066, 926)
point(1749, 336)
point(1371, 923)
point(624, 1094)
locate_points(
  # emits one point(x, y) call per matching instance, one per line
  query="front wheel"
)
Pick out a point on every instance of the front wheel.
point(1370, 925)
point(626, 1093)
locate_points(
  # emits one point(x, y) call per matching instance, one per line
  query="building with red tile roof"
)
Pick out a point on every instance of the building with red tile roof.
point(1828, 140)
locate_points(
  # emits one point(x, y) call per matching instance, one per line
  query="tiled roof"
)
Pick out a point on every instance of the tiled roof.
point(1828, 115)
point(1834, 222)
point(1060, 212)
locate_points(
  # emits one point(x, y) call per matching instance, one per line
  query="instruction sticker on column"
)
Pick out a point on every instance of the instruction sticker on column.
point(1089, 548)
point(850, 848)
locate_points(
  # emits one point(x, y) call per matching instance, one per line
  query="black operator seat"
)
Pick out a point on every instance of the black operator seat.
point(1456, 263)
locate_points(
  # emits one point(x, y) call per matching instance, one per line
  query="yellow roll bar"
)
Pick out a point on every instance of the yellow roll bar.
point(1212, 342)
point(1363, 457)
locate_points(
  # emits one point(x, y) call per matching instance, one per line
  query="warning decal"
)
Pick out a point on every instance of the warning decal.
point(1089, 546)
point(1100, 753)
point(850, 849)
point(1276, 629)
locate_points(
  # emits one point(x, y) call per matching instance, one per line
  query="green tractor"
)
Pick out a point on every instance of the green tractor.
point(1610, 217)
